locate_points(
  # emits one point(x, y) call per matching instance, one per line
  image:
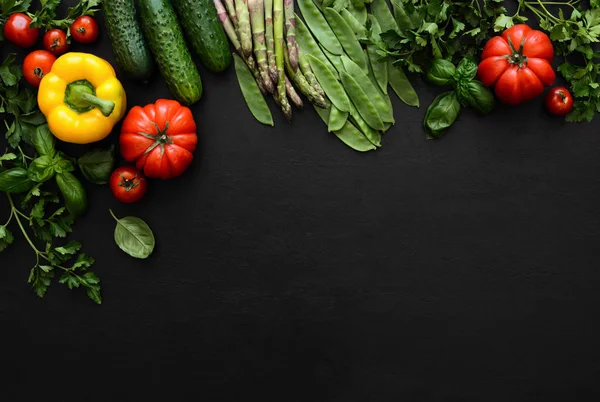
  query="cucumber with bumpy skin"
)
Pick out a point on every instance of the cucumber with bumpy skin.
point(128, 44)
point(164, 35)
point(204, 32)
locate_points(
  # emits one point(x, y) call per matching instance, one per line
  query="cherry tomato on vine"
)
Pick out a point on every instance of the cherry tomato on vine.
point(559, 101)
point(36, 65)
point(128, 184)
point(17, 30)
point(85, 29)
point(55, 41)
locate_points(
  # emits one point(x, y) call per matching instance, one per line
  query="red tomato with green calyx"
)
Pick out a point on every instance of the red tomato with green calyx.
point(85, 29)
point(559, 101)
point(128, 184)
point(36, 65)
point(18, 31)
point(518, 64)
point(55, 41)
point(160, 138)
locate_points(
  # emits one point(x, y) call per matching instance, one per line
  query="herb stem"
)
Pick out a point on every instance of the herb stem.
point(14, 209)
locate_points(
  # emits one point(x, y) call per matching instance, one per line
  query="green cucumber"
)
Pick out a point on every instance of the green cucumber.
point(128, 44)
point(164, 35)
point(204, 32)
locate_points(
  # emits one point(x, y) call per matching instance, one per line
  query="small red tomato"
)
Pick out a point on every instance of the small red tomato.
point(18, 31)
point(55, 41)
point(559, 101)
point(36, 65)
point(128, 184)
point(84, 29)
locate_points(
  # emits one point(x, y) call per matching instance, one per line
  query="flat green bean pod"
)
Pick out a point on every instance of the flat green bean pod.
point(361, 101)
point(334, 60)
point(252, 95)
point(337, 119)
point(359, 29)
point(372, 135)
point(308, 44)
point(402, 86)
point(359, 12)
point(334, 91)
point(346, 36)
point(349, 134)
point(381, 11)
point(319, 26)
point(381, 106)
point(379, 68)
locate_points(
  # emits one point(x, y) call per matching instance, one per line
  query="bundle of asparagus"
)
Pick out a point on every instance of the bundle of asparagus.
point(268, 46)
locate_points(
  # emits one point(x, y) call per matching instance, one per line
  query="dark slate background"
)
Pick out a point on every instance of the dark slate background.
point(289, 267)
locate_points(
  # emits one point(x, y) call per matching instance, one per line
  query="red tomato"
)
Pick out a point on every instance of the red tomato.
point(18, 31)
point(559, 101)
point(55, 41)
point(518, 63)
point(128, 184)
point(37, 64)
point(161, 138)
point(84, 29)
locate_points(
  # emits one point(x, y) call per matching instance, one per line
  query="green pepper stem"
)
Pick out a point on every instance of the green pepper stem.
point(81, 97)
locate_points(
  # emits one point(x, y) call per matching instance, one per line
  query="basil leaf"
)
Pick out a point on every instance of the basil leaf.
point(62, 164)
point(481, 98)
point(442, 113)
point(43, 141)
point(15, 180)
point(467, 69)
point(441, 72)
point(98, 164)
point(72, 192)
point(134, 236)
point(41, 169)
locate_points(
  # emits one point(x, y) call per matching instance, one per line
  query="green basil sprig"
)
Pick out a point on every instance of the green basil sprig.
point(468, 92)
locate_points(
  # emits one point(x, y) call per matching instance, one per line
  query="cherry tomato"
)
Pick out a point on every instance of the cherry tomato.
point(36, 65)
point(84, 29)
point(55, 41)
point(18, 32)
point(559, 101)
point(128, 184)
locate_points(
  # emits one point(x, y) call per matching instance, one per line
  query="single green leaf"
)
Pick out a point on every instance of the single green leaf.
point(134, 236)
point(97, 165)
point(41, 169)
point(44, 141)
point(15, 180)
point(73, 193)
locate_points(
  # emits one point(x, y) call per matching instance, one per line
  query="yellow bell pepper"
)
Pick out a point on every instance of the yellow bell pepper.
point(81, 98)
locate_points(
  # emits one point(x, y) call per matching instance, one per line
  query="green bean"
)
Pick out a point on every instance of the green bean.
point(337, 119)
point(371, 90)
point(359, 12)
point(252, 95)
point(308, 44)
point(372, 135)
point(384, 93)
point(349, 134)
point(346, 36)
point(334, 91)
point(402, 86)
point(360, 31)
point(319, 27)
point(404, 20)
point(379, 67)
point(361, 101)
point(381, 11)
point(334, 60)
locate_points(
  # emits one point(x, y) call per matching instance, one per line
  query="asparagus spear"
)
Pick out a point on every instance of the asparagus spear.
point(235, 41)
point(308, 73)
point(243, 16)
point(311, 93)
point(290, 29)
point(279, 58)
point(270, 40)
point(230, 6)
point(257, 20)
point(293, 95)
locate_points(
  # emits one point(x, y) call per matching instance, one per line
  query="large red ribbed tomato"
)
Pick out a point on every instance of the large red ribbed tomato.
point(518, 63)
point(161, 138)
